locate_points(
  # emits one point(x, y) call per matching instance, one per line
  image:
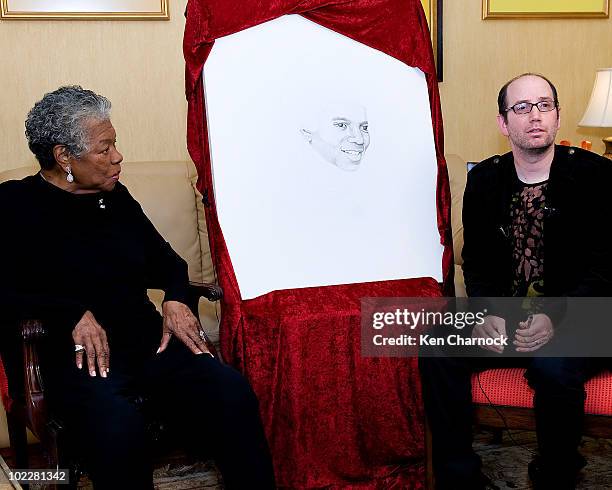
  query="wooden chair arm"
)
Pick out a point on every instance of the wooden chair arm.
point(32, 332)
point(211, 292)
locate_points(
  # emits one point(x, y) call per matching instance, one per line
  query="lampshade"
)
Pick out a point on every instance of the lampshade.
point(599, 111)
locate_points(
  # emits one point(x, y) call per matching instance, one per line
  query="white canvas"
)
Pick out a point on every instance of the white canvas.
point(323, 159)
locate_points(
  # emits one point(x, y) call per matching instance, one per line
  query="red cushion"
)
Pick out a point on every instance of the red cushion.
point(508, 387)
point(4, 396)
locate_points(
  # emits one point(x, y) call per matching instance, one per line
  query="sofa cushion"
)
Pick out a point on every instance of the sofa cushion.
point(167, 193)
point(508, 387)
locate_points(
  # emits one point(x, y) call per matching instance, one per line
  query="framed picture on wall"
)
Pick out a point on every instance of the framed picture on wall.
point(84, 9)
point(433, 12)
point(492, 9)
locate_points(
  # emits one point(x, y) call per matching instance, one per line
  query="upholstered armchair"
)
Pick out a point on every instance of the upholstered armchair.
point(167, 193)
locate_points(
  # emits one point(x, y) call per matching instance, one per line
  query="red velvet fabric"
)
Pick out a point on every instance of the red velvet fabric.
point(332, 417)
point(4, 395)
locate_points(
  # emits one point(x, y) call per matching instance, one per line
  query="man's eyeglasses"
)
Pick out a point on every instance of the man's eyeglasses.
point(526, 107)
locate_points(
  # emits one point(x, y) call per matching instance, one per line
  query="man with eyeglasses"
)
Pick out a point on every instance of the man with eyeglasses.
point(532, 227)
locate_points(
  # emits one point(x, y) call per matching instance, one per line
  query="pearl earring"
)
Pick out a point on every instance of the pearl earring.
point(69, 177)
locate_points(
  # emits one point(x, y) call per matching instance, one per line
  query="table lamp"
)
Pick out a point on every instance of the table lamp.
point(599, 111)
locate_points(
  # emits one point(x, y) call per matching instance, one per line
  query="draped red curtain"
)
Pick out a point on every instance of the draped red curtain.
point(4, 396)
point(332, 417)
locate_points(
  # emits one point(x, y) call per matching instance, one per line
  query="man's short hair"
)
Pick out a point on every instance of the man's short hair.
point(502, 103)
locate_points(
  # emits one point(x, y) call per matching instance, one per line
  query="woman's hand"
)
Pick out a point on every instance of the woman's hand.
point(91, 336)
point(179, 321)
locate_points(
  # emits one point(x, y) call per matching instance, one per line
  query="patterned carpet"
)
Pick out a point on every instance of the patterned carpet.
point(191, 477)
point(177, 476)
point(505, 463)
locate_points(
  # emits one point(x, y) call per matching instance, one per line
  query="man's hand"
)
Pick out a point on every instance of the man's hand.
point(179, 321)
point(493, 327)
point(534, 333)
point(89, 334)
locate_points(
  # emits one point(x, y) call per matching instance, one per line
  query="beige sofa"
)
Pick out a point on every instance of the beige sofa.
point(457, 173)
point(167, 193)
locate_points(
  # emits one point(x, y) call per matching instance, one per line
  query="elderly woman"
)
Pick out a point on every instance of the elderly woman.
point(80, 255)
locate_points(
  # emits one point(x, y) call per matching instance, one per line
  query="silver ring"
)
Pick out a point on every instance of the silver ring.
point(79, 348)
point(202, 334)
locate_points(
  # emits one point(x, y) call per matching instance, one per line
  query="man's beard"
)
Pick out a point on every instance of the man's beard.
point(537, 150)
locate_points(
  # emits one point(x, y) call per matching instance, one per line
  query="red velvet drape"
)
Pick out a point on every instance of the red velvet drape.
point(332, 417)
point(4, 396)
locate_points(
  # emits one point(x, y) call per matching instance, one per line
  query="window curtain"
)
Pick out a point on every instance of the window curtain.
point(332, 417)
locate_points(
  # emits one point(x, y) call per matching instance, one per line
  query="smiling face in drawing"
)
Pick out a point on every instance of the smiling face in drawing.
point(342, 135)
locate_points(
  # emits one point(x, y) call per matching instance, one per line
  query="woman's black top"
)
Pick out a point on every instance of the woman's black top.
point(64, 254)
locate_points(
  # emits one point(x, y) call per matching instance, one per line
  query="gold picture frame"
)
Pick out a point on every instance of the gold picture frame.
point(84, 10)
point(516, 9)
point(433, 12)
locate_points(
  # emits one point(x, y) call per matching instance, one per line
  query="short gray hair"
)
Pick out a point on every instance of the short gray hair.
point(57, 119)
